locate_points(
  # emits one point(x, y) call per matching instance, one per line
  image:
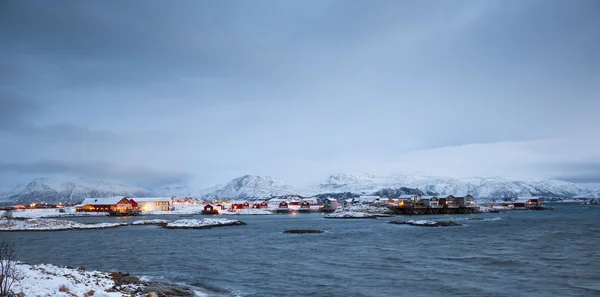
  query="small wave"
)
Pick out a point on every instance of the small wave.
point(592, 286)
point(485, 219)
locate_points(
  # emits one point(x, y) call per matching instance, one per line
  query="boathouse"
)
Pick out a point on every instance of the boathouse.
point(118, 204)
point(264, 204)
point(239, 205)
point(304, 206)
point(220, 206)
point(528, 202)
point(447, 201)
point(466, 201)
point(153, 203)
point(409, 197)
point(210, 209)
point(430, 201)
point(330, 204)
point(282, 207)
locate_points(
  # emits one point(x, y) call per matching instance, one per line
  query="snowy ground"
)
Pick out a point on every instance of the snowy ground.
point(49, 225)
point(45, 280)
point(58, 225)
point(52, 213)
point(250, 211)
point(368, 209)
point(50, 280)
point(351, 215)
point(203, 223)
point(149, 222)
point(360, 212)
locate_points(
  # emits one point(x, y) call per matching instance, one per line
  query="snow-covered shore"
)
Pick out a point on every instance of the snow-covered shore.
point(51, 280)
point(53, 213)
point(360, 212)
point(43, 280)
point(202, 223)
point(250, 211)
point(50, 225)
point(60, 225)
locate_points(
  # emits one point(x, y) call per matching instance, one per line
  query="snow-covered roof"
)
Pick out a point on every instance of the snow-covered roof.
point(444, 196)
point(427, 197)
point(525, 199)
point(151, 199)
point(331, 199)
point(240, 201)
point(406, 196)
point(102, 201)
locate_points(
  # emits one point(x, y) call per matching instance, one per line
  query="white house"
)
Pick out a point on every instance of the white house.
point(153, 203)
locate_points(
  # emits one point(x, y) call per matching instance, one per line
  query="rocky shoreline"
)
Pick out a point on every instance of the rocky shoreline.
point(66, 281)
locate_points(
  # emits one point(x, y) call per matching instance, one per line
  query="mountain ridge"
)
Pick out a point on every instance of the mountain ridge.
point(252, 187)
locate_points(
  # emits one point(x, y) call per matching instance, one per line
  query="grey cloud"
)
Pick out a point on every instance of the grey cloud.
point(139, 175)
point(580, 172)
point(17, 113)
point(229, 86)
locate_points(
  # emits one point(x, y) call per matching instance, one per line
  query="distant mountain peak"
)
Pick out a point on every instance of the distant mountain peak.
point(250, 187)
point(55, 190)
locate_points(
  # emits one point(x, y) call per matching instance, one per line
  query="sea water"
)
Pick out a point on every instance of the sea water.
point(519, 253)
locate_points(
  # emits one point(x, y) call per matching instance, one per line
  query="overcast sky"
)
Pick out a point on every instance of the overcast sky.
point(200, 92)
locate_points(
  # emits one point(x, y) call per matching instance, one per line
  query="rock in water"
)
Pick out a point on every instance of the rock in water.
point(302, 231)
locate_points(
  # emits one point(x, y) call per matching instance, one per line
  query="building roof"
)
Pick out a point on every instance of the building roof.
point(406, 196)
point(331, 199)
point(151, 199)
point(444, 196)
point(525, 199)
point(102, 201)
point(428, 197)
point(240, 202)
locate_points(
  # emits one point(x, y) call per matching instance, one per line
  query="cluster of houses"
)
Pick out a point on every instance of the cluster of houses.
point(276, 205)
point(523, 202)
point(121, 204)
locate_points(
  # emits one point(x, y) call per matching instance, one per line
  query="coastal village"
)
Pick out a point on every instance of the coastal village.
point(402, 205)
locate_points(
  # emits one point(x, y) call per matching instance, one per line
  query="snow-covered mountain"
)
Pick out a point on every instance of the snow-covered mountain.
point(67, 191)
point(477, 187)
point(249, 187)
point(257, 187)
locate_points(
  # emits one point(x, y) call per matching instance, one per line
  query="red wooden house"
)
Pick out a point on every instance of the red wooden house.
point(304, 206)
point(118, 203)
point(210, 209)
point(283, 207)
point(264, 204)
point(239, 205)
point(220, 206)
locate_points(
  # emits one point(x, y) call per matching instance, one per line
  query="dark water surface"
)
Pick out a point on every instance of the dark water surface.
point(521, 253)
